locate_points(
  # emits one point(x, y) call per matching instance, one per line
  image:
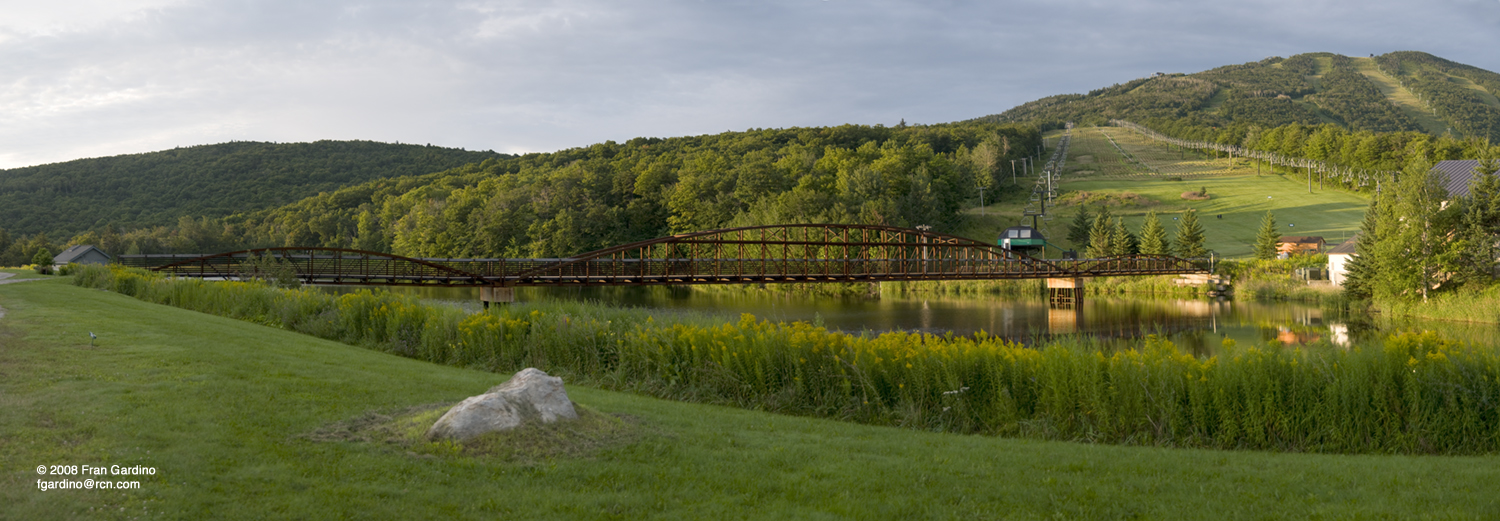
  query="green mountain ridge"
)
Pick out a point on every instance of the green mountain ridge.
point(159, 188)
point(1398, 91)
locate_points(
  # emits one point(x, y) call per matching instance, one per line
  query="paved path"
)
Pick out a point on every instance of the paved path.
point(4, 276)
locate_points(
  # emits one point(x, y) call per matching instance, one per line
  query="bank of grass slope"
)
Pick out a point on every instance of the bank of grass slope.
point(1416, 393)
point(223, 408)
point(1098, 174)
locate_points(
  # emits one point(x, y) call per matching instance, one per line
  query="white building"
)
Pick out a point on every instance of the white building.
point(1338, 260)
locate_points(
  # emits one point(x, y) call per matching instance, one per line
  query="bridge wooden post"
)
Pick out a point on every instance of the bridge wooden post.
point(497, 294)
point(1064, 292)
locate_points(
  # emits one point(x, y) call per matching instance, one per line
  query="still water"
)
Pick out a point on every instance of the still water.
point(1196, 325)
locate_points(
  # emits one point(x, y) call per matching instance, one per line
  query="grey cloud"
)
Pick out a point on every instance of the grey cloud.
point(544, 75)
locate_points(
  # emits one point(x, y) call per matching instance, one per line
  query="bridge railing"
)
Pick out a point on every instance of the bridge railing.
point(788, 253)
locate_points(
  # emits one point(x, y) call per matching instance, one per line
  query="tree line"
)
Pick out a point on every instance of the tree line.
point(577, 200)
point(1354, 160)
point(1098, 234)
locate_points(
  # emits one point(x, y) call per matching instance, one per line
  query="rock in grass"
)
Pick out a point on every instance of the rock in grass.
point(529, 396)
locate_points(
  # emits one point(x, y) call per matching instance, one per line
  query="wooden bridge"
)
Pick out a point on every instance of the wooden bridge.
point(750, 255)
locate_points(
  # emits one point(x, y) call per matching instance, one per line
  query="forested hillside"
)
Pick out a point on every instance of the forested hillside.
point(576, 200)
point(1462, 95)
point(157, 188)
point(1306, 89)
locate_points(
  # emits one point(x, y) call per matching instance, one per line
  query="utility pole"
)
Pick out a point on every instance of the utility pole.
point(1013, 172)
point(924, 229)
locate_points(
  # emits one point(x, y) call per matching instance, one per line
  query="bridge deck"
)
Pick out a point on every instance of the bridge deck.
point(779, 254)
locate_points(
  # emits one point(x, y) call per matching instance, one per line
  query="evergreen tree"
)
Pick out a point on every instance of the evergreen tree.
point(1121, 241)
point(1078, 230)
point(1267, 239)
point(1359, 271)
point(1099, 235)
point(1475, 248)
point(1154, 240)
point(1190, 236)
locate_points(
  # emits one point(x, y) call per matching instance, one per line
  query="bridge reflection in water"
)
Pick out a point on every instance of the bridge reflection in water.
point(751, 255)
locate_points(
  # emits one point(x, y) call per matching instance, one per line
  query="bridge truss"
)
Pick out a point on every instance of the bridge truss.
point(749, 255)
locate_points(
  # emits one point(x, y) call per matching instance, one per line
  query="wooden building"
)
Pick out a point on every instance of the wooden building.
point(1309, 245)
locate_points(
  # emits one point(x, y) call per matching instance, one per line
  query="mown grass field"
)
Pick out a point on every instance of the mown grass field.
point(221, 409)
point(1096, 173)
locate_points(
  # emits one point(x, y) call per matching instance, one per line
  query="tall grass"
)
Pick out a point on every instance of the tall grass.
point(1010, 288)
point(1481, 306)
point(1418, 393)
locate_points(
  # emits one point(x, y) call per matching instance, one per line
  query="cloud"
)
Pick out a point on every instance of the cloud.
point(542, 75)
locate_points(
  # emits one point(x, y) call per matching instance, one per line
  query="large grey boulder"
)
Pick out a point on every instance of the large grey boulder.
point(529, 396)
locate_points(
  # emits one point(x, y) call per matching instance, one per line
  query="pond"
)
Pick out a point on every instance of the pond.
point(1199, 326)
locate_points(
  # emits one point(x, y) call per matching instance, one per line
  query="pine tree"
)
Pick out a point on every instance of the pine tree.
point(1360, 269)
point(1154, 239)
point(1078, 231)
point(1099, 235)
point(1190, 236)
point(1475, 246)
point(1121, 241)
point(1268, 239)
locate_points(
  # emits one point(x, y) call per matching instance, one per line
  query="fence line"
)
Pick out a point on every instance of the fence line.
point(1349, 177)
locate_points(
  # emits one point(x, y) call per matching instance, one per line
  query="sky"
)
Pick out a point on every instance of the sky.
point(92, 78)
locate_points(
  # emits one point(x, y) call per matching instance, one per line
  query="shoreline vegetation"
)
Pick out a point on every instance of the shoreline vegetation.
point(1416, 394)
point(245, 422)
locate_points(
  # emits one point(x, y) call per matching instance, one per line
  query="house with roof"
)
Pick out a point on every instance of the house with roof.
point(1457, 175)
point(81, 254)
point(1338, 260)
point(1309, 245)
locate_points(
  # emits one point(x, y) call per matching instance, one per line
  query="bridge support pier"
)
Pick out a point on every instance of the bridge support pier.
point(497, 294)
point(1064, 292)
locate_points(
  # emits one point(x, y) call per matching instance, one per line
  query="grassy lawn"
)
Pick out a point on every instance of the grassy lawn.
point(1096, 172)
point(221, 409)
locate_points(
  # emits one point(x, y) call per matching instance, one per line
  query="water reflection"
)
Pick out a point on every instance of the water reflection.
point(1199, 326)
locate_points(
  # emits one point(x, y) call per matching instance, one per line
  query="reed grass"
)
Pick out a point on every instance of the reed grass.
point(1459, 306)
point(1418, 393)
